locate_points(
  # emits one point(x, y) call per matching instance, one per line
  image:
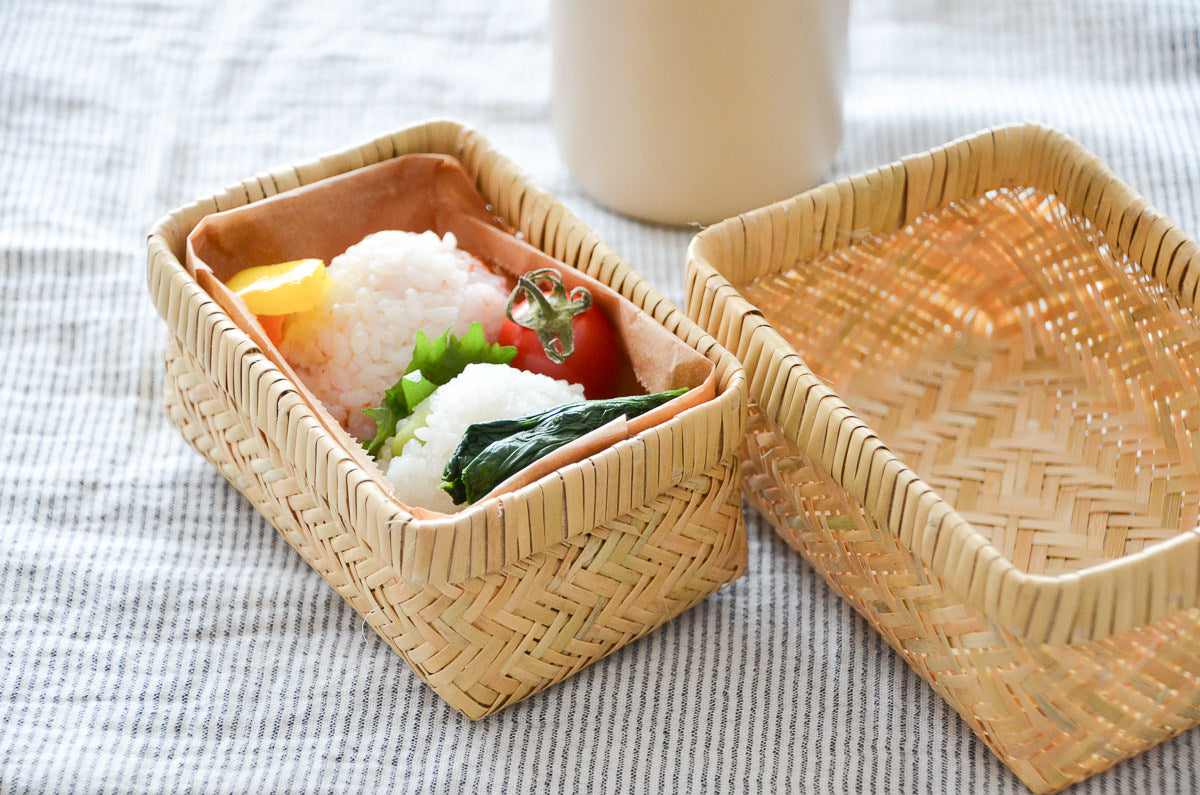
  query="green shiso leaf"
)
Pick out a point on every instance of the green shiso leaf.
point(435, 362)
point(491, 452)
point(415, 388)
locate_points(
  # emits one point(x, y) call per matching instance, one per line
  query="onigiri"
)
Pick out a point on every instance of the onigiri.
point(481, 393)
point(358, 342)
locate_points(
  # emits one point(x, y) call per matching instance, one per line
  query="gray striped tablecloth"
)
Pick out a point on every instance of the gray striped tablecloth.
point(156, 635)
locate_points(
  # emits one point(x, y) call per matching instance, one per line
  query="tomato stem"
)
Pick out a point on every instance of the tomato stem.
point(549, 315)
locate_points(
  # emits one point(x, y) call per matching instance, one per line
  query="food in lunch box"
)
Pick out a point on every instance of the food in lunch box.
point(272, 292)
point(462, 420)
point(493, 451)
point(464, 413)
point(562, 335)
point(397, 337)
point(415, 459)
point(356, 343)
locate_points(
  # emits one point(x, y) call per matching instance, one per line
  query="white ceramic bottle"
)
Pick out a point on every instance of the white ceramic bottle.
point(678, 111)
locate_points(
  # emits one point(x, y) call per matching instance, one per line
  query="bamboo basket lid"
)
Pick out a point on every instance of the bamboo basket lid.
point(973, 402)
point(895, 221)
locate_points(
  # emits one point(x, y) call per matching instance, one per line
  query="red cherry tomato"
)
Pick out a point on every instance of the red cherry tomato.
point(596, 361)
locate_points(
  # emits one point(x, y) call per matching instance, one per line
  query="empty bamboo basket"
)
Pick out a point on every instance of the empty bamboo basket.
point(518, 591)
point(974, 383)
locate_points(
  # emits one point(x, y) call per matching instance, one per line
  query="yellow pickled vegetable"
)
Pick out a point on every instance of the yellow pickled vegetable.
point(283, 288)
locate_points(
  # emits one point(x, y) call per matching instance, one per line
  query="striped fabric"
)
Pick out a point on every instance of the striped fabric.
point(156, 635)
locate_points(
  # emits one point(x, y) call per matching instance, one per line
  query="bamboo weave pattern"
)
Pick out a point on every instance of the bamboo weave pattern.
point(991, 457)
point(1032, 375)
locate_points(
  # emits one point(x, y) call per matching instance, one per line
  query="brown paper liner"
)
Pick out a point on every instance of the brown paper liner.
point(418, 193)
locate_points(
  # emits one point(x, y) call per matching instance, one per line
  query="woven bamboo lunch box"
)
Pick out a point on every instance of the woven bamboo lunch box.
point(973, 378)
point(520, 590)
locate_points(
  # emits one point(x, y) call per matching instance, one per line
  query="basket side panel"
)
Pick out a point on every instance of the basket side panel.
point(1054, 714)
point(492, 640)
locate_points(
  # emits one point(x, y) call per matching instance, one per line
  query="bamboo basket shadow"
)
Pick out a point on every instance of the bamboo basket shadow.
point(973, 378)
point(520, 590)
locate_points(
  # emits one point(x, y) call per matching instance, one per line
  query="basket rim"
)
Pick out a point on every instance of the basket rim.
point(1088, 604)
point(391, 532)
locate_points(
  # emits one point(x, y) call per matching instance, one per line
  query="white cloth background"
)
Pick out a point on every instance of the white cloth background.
point(156, 635)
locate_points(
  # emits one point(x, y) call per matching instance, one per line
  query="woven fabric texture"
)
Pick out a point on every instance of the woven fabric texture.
point(160, 636)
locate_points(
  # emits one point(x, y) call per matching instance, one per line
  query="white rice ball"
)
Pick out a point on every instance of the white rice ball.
point(481, 393)
point(386, 288)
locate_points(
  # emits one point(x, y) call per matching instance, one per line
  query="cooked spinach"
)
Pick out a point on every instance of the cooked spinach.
point(491, 452)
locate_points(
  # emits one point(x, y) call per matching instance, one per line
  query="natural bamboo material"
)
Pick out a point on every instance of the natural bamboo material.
point(518, 591)
point(973, 379)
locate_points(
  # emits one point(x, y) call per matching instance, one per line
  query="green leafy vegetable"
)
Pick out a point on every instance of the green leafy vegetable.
point(435, 362)
point(491, 452)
